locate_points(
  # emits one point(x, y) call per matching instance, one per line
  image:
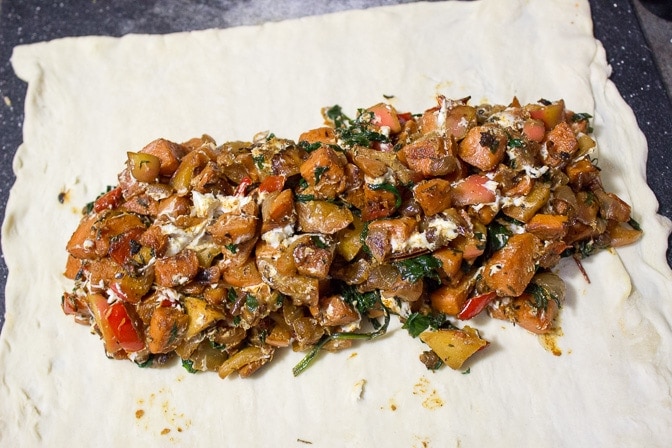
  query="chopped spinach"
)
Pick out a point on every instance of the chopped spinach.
point(416, 323)
point(389, 188)
point(413, 269)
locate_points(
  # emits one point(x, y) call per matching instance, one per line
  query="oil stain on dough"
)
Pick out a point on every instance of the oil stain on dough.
point(430, 397)
point(156, 414)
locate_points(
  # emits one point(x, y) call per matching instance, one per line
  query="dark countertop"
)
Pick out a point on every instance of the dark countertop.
point(632, 53)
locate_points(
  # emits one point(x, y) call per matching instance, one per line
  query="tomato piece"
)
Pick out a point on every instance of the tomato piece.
point(535, 130)
point(404, 117)
point(99, 307)
point(473, 190)
point(109, 200)
point(474, 305)
point(123, 328)
point(271, 184)
point(551, 114)
point(385, 115)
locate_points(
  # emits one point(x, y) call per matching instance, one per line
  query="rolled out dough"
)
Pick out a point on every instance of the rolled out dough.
point(92, 99)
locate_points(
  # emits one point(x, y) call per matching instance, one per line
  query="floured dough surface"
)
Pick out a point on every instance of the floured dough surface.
point(92, 99)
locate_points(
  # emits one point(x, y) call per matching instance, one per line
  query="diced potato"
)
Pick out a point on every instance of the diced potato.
point(561, 144)
point(322, 135)
point(246, 356)
point(430, 155)
point(532, 203)
point(201, 315)
point(349, 239)
point(176, 270)
point(322, 217)
point(454, 346)
point(166, 329)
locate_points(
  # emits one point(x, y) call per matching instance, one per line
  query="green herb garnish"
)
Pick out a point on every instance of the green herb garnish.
point(259, 161)
point(188, 365)
point(233, 248)
point(319, 171)
point(413, 269)
point(416, 323)
point(309, 147)
point(308, 359)
point(498, 236)
point(541, 296)
point(251, 302)
point(390, 188)
point(318, 242)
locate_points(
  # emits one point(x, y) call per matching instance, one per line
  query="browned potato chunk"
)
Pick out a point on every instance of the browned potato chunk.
point(313, 257)
point(334, 312)
point(431, 155)
point(322, 135)
point(561, 144)
point(233, 229)
point(322, 217)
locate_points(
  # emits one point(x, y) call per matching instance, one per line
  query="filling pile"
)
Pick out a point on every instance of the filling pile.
point(221, 254)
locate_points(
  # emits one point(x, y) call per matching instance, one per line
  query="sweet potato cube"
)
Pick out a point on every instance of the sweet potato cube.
point(168, 153)
point(548, 227)
point(483, 147)
point(322, 135)
point(510, 269)
point(433, 195)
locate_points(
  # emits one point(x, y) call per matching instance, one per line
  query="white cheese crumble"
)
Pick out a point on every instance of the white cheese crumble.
point(209, 205)
point(507, 119)
point(444, 230)
point(179, 279)
point(276, 237)
point(396, 306)
point(495, 268)
point(533, 172)
point(388, 177)
point(441, 116)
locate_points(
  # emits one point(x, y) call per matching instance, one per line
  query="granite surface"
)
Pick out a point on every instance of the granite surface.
point(632, 53)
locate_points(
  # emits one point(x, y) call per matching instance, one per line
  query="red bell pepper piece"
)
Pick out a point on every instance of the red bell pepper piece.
point(475, 305)
point(242, 186)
